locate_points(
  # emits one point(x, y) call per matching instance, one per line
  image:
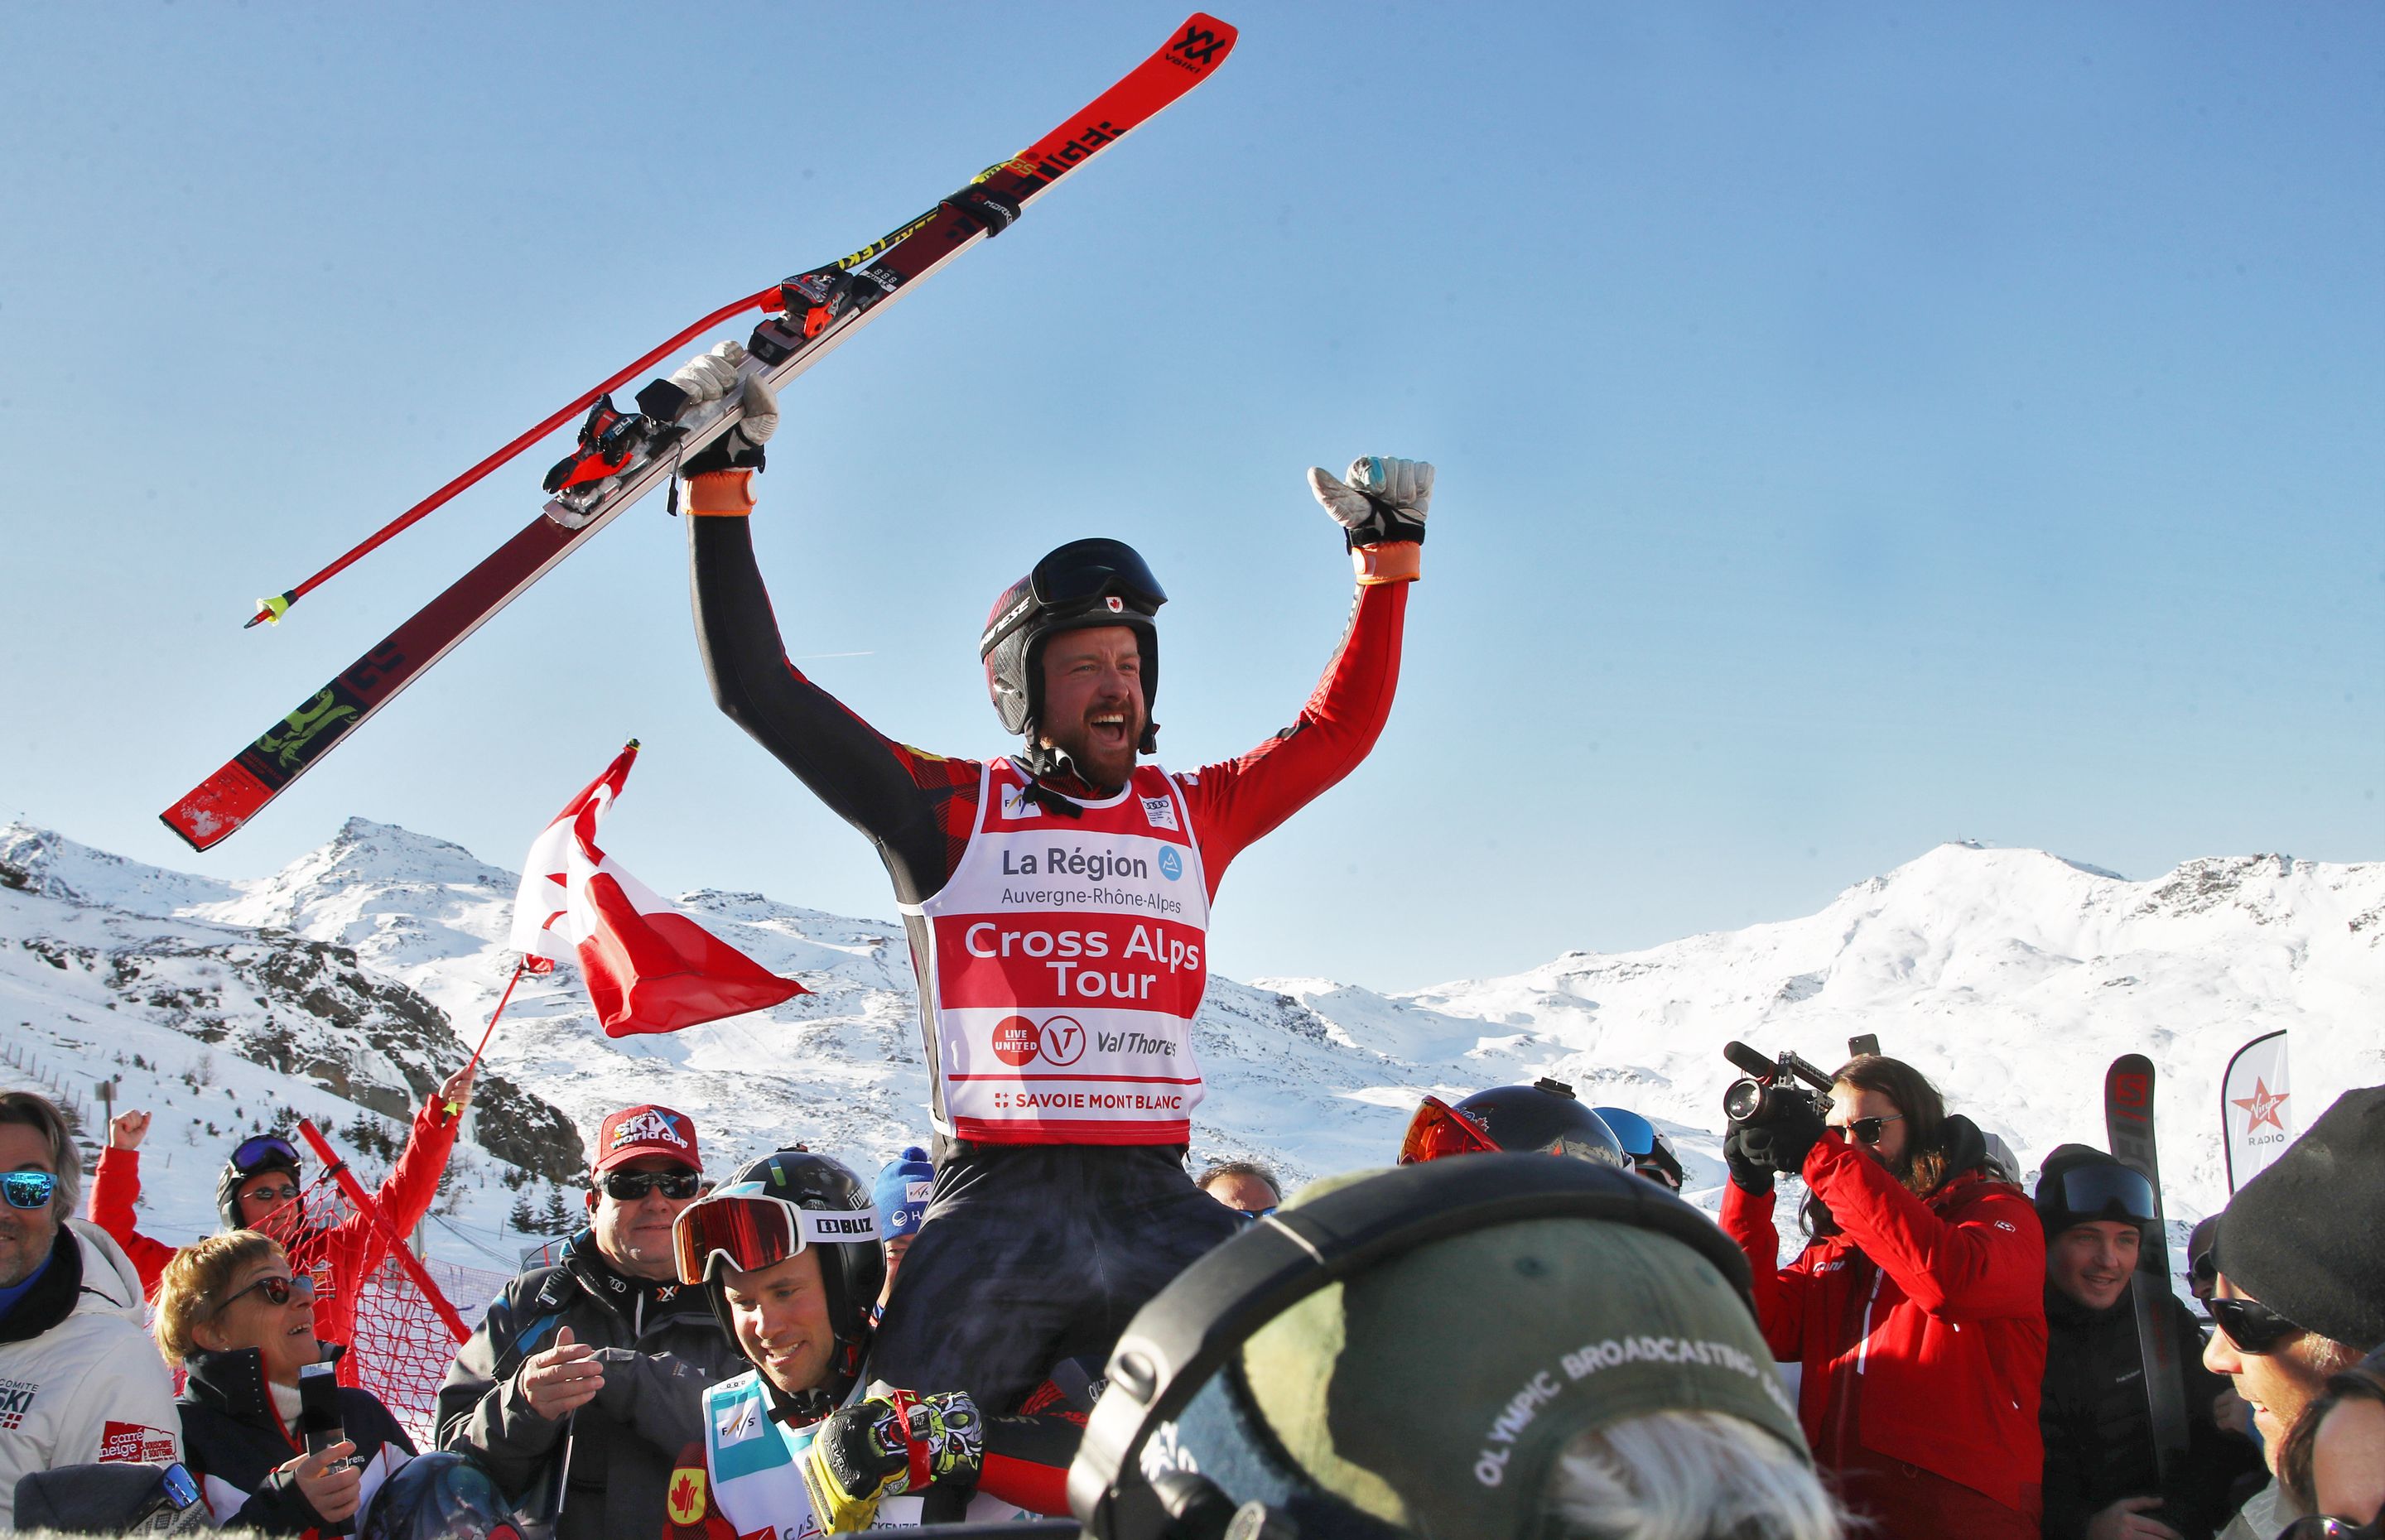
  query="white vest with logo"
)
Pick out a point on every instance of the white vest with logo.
point(754, 1466)
point(1066, 959)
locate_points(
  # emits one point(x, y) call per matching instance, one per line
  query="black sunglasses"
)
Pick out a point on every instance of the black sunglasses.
point(1867, 1130)
point(277, 1290)
point(281, 1194)
point(628, 1186)
point(2253, 1326)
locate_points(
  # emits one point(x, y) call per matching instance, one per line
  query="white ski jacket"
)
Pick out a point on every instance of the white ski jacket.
point(80, 1380)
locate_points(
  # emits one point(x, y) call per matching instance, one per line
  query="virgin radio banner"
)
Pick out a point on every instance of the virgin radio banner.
point(2254, 1098)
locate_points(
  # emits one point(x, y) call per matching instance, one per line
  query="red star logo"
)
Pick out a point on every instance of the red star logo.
point(2261, 1107)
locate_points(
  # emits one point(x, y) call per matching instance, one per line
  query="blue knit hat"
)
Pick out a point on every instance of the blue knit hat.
point(902, 1193)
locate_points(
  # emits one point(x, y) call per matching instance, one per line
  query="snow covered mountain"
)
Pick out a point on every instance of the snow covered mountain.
point(346, 981)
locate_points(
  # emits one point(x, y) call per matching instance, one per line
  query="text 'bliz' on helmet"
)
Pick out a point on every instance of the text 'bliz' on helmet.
point(1085, 583)
point(772, 1209)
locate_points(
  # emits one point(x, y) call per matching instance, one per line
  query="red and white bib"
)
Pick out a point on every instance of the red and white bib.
point(1066, 959)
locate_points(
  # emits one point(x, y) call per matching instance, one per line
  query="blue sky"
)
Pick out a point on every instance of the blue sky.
point(1859, 425)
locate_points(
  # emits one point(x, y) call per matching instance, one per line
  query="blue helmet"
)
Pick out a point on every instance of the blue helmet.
point(441, 1496)
point(1650, 1152)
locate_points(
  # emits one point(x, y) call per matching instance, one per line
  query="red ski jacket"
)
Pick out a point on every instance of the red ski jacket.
point(1921, 1327)
point(341, 1257)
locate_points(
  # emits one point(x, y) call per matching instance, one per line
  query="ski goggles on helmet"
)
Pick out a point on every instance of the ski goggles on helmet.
point(2090, 1193)
point(2253, 1327)
point(750, 1230)
point(265, 1149)
point(1078, 577)
point(28, 1189)
point(1438, 1130)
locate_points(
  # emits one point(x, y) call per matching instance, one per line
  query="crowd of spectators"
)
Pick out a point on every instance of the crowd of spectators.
point(1969, 1358)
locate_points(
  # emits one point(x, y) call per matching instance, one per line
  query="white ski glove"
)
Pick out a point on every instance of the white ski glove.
point(1383, 500)
point(708, 377)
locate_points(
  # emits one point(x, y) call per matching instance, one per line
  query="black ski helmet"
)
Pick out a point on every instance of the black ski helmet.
point(440, 1495)
point(1544, 1117)
point(1085, 583)
point(252, 1157)
point(786, 1185)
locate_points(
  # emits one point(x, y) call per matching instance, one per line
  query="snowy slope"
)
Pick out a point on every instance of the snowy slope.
point(2010, 975)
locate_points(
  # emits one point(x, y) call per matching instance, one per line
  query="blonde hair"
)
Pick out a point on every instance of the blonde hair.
point(1688, 1475)
point(196, 1283)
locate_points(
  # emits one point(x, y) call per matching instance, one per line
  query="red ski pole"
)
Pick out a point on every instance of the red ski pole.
point(274, 609)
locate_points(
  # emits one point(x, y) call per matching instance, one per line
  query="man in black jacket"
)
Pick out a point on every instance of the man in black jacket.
point(2101, 1479)
point(593, 1371)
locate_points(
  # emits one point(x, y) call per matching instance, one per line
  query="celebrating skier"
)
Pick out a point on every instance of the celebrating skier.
point(1057, 900)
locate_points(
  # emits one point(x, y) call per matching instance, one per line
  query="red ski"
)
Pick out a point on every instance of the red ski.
point(623, 455)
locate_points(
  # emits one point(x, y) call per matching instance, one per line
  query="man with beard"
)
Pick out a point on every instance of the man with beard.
point(1057, 900)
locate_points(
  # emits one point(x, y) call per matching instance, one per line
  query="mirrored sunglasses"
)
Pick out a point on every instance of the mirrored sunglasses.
point(2253, 1326)
point(285, 1193)
point(28, 1189)
point(1251, 1216)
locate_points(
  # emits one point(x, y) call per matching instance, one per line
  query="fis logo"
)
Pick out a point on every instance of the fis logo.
point(739, 1420)
point(1016, 804)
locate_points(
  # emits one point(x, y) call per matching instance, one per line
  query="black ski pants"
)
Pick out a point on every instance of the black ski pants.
point(1031, 1255)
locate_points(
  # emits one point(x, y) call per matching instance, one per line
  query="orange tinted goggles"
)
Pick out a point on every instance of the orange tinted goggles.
point(1439, 1129)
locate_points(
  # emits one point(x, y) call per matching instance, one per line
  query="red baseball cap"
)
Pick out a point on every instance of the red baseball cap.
point(634, 1133)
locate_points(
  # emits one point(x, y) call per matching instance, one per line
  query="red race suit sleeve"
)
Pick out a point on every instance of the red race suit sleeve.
point(1239, 800)
point(1781, 1292)
point(1990, 1263)
point(405, 1197)
point(115, 1188)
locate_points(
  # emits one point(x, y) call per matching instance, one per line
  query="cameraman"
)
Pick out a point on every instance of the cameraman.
point(1917, 1309)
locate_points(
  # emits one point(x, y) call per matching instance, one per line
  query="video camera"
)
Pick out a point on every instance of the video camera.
point(1770, 1082)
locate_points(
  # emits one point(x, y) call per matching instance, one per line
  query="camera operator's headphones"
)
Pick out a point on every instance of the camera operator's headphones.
point(1179, 1341)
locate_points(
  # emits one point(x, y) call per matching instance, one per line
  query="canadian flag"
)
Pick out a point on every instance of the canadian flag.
point(649, 967)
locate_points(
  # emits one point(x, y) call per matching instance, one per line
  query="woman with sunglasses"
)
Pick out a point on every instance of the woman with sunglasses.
point(1917, 1309)
point(261, 1188)
point(233, 1313)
